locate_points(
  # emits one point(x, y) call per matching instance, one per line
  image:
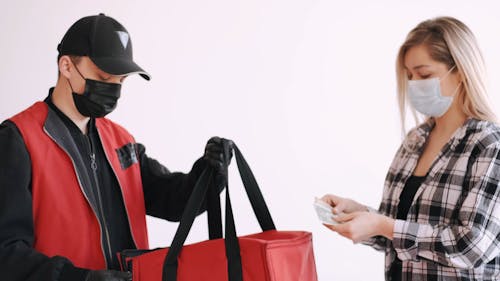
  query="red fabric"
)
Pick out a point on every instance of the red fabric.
point(266, 256)
point(112, 137)
point(64, 222)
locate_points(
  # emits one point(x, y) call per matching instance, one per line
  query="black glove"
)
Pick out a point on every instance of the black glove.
point(108, 275)
point(218, 154)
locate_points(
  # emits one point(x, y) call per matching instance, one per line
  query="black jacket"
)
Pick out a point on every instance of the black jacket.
point(165, 195)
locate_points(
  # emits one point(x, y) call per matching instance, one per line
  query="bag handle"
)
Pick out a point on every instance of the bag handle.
point(231, 241)
point(214, 217)
point(254, 194)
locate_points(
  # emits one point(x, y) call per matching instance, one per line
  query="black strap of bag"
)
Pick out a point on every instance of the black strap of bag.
point(254, 194)
point(200, 192)
point(214, 212)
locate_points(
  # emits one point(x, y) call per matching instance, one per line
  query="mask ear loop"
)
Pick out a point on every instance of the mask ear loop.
point(449, 71)
point(77, 70)
point(73, 91)
point(458, 86)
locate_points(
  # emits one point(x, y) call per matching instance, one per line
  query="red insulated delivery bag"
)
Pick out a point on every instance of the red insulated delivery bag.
point(270, 255)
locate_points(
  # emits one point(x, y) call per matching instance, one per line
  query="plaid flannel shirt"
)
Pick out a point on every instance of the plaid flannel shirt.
point(452, 231)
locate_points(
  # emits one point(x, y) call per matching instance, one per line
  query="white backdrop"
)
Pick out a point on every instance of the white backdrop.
point(305, 87)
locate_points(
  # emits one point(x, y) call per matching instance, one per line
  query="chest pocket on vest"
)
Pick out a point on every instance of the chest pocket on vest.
point(127, 155)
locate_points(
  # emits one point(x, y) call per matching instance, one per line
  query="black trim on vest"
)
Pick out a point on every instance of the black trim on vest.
point(60, 134)
point(56, 129)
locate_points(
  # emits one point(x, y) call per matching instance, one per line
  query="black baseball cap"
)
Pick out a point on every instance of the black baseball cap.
point(105, 41)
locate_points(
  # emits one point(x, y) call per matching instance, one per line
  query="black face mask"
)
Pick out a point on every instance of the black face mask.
point(98, 99)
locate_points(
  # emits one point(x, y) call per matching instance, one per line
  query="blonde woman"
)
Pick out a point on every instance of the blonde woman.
point(439, 218)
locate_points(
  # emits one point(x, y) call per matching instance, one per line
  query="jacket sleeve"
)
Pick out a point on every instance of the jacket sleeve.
point(18, 259)
point(166, 193)
point(378, 243)
point(475, 239)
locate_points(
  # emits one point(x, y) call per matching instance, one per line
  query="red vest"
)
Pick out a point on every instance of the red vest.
point(64, 221)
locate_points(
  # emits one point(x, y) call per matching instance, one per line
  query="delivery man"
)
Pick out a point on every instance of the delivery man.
point(75, 187)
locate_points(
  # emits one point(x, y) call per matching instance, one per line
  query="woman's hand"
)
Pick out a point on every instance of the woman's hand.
point(343, 205)
point(359, 226)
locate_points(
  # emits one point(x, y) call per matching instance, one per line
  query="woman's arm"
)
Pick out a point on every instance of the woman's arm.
point(476, 238)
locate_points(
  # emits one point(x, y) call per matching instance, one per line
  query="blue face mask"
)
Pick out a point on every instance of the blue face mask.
point(426, 97)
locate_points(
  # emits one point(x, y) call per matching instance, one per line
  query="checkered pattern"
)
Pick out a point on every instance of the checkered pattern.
point(452, 231)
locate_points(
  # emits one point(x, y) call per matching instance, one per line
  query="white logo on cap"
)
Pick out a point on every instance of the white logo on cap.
point(123, 38)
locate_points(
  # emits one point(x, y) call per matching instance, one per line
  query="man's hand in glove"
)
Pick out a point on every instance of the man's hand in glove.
point(108, 275)
point(218, 154)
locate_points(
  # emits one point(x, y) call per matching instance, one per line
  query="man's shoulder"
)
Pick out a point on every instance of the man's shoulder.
point(37, 110)
point(8, 127)
point(107, 124)
point(10, 136)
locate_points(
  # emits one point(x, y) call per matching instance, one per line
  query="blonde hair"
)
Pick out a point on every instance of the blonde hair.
point(451, 42)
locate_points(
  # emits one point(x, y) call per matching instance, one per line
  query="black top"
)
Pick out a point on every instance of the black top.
point(165, 195)
point(405, 200)
point(406, 197)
